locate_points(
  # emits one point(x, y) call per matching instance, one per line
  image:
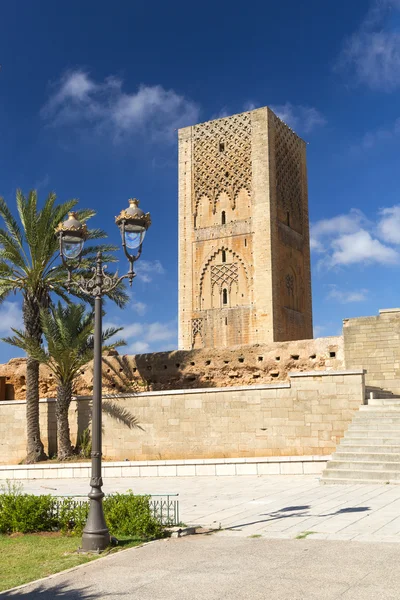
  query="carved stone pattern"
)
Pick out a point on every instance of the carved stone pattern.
point(197, 328)
point(290, 284)
point(288, 173)
point(228, 171)
point(224, 275)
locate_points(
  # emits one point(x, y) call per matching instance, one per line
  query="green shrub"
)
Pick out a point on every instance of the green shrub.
point(25, 513)
point(125, 514)
point(72, 515)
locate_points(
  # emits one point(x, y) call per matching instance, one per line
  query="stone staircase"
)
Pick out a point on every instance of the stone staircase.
point(370, 449)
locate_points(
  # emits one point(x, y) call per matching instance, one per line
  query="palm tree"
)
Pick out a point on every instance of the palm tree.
point(68, 331)
point(27, 255)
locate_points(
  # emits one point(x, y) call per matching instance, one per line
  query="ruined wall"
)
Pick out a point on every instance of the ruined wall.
point(306, 416)
point(245, 365)
point(373, 344)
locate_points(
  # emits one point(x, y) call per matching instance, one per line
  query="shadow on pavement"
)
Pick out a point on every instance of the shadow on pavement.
point(60, 591)
point(290, 512)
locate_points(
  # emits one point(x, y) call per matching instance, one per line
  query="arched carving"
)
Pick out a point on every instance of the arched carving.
point(291, 289)
point(231, 275)
point(197, 333)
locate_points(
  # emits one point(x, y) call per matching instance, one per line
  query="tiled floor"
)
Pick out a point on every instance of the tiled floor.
point(268, 506)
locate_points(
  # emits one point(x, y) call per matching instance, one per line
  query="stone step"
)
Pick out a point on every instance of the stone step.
point(344, 481)
point(358, 434)
point(364, 465)
point(372, 425)
point(367, 419)
point(384, 410)
point(368, 448)
point(384, 401)
point(371, 441)
point(384, 457)
point(361, 474)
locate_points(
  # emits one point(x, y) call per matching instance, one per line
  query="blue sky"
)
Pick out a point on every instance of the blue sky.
point(91, 95)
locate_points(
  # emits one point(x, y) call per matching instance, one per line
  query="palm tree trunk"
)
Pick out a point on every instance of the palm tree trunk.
point(35, 449)
point(64, 395)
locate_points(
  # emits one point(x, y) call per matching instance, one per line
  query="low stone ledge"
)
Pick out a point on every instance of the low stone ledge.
point(274, 465)
point(325, 373)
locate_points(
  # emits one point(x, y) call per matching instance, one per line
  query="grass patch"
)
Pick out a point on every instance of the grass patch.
point(302, 536)
point(255, 535)
point(25, 558)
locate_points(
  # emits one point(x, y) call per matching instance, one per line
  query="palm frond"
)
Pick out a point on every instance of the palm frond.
point(11, 223)
point(121, 414)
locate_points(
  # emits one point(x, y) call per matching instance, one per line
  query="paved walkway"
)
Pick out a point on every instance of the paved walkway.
point(215, 567)
point(282, 507)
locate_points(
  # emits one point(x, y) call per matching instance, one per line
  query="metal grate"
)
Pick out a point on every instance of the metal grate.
point(164, 507)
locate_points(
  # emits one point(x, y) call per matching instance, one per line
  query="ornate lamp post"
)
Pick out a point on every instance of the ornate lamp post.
point(133, 224)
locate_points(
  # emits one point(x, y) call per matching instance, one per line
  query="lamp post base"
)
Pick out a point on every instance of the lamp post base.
point(95, 541)
point(95, 536)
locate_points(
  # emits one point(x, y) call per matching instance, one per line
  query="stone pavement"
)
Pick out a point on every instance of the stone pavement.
point(280, 506)
point(214, 567)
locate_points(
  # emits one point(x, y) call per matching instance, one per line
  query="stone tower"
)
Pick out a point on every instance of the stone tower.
point(244, 252)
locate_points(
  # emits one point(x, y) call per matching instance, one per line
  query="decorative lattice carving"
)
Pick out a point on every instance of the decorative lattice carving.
point(211, 258)
point(290, 284)
point(288, 174)
point(222, 158)
point(224, 275)
point(197, 329)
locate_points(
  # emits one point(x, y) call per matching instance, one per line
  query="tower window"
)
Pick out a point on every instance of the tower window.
point(245, 242)
point(222, 146)
point(288, 219)
point(223, 218)
point(224, 296)
point(223, 256)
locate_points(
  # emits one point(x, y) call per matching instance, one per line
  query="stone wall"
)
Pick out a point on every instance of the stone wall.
point(305, 416)
point(373, 344)
point(243, 365)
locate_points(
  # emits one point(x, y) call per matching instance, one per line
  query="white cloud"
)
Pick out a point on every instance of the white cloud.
point(10, 316)
point(389, 225)
point(146, 269)
point(79, 101)
point(326, 228)
point(377, 136)
point(250, 105)
point(371, 55)
point(221, 114)
point(139, 307)
point(353, 239)
point(346, 297)
point(147, 337)
point(139, 348)
point(299, 118)
point(340, 224)
point(360, 247)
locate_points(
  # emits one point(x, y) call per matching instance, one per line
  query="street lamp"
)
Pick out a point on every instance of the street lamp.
point(133, 224)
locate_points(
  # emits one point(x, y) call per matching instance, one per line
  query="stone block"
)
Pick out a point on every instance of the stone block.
point(291, 468)
point(246, 469)
point(268, 469)
point(149, 471)
point(186, 470)
point(205, 470)
point(225, 469)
